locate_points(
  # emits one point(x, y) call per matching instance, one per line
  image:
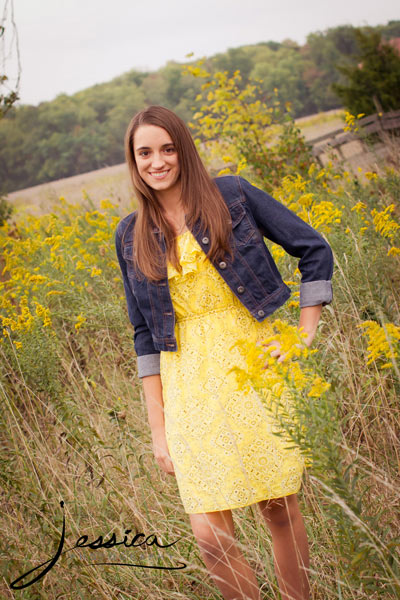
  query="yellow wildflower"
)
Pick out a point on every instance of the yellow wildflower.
point(383, 342)
point(43, 313)
point(360, 206)
point(277, 252)
point(55, 293)
point(106, 204)
point(318, 387)
point(80, 320)
point(384, 224)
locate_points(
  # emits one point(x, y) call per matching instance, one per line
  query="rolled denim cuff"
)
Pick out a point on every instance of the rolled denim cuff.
point(315, 292)
point(148, 364)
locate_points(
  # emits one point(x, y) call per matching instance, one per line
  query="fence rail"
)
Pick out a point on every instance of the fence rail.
point(377, 123)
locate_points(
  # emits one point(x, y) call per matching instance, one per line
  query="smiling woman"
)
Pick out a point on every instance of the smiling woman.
point(191, 294)
point(157, 159)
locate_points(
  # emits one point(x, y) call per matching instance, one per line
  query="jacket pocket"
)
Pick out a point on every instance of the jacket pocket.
point(242, 228)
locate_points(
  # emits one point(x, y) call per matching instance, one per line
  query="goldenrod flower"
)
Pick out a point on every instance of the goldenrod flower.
point(384, 224)
point(106, 204)
point(80, 320)
point(383, 342)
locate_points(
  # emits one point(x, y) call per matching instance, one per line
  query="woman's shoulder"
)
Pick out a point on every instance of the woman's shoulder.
point(230, 187)
point(126, 224)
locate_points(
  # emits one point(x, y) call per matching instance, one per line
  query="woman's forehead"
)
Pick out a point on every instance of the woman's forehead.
point(150, 136)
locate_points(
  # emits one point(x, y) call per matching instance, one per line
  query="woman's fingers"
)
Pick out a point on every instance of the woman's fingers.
point(165, 463)
point(275, 348)
point(275, 352)
point(168, 466)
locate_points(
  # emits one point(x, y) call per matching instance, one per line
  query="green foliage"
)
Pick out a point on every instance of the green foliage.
point(325, 51)
point(375, 76)
point(6, 210)
point(239, 126)
point(7, 100)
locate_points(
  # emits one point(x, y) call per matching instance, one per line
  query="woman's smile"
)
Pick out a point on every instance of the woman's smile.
point(159, 174)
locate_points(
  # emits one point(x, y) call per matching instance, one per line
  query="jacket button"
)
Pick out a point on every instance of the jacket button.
point(261, 313)
point(205, 240)
point(240, 289)
point(222, 264)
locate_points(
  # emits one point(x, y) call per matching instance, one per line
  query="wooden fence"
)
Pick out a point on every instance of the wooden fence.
point(377, 123)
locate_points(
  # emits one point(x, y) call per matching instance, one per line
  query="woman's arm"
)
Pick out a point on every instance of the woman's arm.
point(148, 358)
point(282, 226)
point(309, 318)
point(152, 389)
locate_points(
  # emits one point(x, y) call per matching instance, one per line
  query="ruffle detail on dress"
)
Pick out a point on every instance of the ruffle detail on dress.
point(190, 254)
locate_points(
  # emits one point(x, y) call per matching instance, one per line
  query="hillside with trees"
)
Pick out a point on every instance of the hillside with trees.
point(83, 132)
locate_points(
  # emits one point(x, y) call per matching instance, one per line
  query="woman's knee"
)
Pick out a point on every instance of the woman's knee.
point(213, 532)
point(280, 512)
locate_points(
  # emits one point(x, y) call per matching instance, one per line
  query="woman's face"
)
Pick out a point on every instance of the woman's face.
point(156, 158)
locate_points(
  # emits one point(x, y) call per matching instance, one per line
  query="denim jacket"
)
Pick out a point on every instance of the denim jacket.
point(252, 275)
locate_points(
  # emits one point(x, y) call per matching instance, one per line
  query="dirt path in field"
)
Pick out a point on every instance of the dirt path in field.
point(110, 182)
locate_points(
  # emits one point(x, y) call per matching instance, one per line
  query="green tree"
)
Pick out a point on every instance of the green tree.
point(374, 77)
point(285, 71)
point(391, 30)
point(324, 51)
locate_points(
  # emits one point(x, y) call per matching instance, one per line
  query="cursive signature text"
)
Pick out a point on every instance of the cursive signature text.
point(100, 542)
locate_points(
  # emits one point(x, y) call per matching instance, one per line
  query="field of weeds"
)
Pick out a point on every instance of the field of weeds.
point(74, 424)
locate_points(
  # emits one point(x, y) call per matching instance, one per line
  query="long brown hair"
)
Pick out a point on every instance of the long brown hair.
point(200, 197)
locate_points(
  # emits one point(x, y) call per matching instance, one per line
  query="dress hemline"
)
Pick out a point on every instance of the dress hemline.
point(244, 505)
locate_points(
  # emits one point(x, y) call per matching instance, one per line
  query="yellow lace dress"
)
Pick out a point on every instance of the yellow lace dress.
point(220, 439)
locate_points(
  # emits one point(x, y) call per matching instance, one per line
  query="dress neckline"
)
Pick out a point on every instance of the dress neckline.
point(182, 234)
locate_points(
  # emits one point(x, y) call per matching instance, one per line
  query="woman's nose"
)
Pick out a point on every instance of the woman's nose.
point(158, 161)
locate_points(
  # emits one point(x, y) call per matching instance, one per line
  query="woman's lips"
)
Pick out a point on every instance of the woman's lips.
point(159, 174)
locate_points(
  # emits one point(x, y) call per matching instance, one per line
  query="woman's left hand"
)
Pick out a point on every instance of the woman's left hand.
point(275, 351)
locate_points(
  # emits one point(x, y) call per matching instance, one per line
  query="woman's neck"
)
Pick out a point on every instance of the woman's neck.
point(170, 202)
point(173, 209)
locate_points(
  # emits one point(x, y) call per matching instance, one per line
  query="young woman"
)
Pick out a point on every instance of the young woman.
point(198, 277)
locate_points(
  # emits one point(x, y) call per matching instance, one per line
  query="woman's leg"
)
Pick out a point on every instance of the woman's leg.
point(231, 572)
point(290, 546)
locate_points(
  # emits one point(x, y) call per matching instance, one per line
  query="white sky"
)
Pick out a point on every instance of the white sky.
point(68, 45)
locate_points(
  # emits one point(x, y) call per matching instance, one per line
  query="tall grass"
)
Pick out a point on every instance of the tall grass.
point(74, 424)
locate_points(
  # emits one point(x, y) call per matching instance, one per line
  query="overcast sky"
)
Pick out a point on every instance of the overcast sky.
point(68, 45)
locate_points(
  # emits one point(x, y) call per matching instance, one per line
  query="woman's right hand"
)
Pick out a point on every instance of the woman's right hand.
point(161, 453)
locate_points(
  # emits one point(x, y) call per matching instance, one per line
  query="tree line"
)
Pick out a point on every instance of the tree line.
point(84, 131)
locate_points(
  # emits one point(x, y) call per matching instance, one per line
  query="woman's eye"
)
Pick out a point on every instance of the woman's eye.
point(170, 150)
point(143, 153)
